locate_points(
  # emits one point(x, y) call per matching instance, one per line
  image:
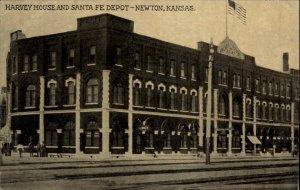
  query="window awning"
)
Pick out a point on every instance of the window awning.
point(254, 140)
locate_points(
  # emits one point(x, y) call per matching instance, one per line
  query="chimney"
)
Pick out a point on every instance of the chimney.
point(17, 35)
point(285, 59)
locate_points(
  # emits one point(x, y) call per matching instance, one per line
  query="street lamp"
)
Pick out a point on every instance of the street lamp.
point(208, 102)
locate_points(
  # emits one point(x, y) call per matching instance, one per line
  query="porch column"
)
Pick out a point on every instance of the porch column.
point(243, 153)
point(200, 120)
point(8, 111)
point(215, 121)
point(292, 126)
point(130, 127)
point(254, 121)
point(77, 114)
point(105, 113)
point(229, 152)
point(41, 112)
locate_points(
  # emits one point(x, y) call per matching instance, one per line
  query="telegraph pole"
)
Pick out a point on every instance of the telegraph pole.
point(208, 105)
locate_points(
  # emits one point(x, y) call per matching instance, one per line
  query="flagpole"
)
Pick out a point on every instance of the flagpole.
point(226, 19)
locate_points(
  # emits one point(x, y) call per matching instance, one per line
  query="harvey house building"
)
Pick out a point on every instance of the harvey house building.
point(104, 90)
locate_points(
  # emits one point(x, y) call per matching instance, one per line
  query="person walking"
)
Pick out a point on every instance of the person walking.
point(38, 150)
point(20, 148)
point(30, 148)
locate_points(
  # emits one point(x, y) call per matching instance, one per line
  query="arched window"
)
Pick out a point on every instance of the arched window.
point(282, 113)
point(222, 106)
point(92, 134)
point(183, 136)
point(236, 108)
point(276, 112)
point(52, 94)
point(161, 95)
point(288, 113)
point(248, 109)
point(149, 95)
point(149, 139)
point(222, 140)
point(167, 137)
point(71, 93)
point(92, 91)
point(183, 100)
point(118, 96)
point(194, 102)
point(257, 110)
point(51, 134)
point(136, 94)
point(69, 134)
point(30, 96)
point(172, 99)
point(118, 134)
point(194, 137)
point(236, 139)
point(264, 111)
point(270, 112)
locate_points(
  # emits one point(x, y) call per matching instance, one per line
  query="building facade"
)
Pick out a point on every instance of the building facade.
point(104, 90)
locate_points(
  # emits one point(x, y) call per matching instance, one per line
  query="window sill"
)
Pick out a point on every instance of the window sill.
point(135, 106)
point(162, 109)
point(137, 69)
point(118, 147)
point(91, 64)
point(69, 105)
point(149, 148)
point(51, 69)
point(235, 87)
point(183, 78)
point(70, 67)
point(92, 103)
point(194, 112)
point(173, 110)
point(223, 85)
point(150, 107)
point(34, 70)
point(14, 109)
point(193, 79)
point(172, 76)
point(167, 148)
point(92, 147)
point(149, 71)
point(118, 65)
point(162, 74)
point(68, 146)
point(184, 111)
point(24, 72)
point(118, 104)
point(29, 108)
point(51, 106)
point(14, 73)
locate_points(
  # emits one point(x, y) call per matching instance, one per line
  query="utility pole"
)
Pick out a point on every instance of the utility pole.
point(208, 105)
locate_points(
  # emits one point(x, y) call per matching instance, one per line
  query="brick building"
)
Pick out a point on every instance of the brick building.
point(105, 90)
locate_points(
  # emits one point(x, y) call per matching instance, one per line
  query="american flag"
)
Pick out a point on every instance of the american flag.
point(236, 9)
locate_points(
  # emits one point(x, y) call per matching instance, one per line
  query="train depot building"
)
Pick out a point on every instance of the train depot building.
point(103, 90)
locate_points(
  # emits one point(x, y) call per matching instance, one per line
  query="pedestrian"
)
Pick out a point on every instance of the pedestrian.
point(38, 150)
point(30, 148)
point(20, 148)
point(43, 149)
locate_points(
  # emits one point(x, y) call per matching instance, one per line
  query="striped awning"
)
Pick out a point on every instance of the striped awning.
point(254, 140)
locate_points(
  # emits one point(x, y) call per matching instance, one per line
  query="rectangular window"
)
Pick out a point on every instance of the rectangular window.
point(234, 80)
point(281, 90)
point(71, 57)
point(14, 64)
point(270, 88)
point(172, 68)
point(296, 93)
point(206, 74)
point(238, 83)
point(182, 69)
point(248, 83)
point(264, 91)
point(149, 63)
point(26, 63)
point(276, 89)
point(288, 91)
point(224, 78)
point(220, 77)
point(52, 60)
point(161, 65)
point(137, 61)
point(34, 63)
point(92, 55)
point(257, 85)
point(119, 56)
point(193, 70)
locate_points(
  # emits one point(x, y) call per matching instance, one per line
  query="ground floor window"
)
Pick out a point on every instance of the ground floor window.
point(92, 134)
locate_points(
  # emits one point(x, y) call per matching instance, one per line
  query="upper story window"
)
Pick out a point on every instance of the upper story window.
point(137, 60)
point(281, 90)
point(193, 72)
point(16, 97)
point(161, 65)
point(234, 81)
point(25, 63)
point(206, 74)
point(257, 85)
point(238, 82)
point(236, 108)
point(119, 56)
point(92, 91)
point(118, 93)
point(270, 88)
point(34, 63)
point(172, 68)
point(276, 89)
point(52, 94)
point(248, 83)
point(149, 63)
point(183, 99)
point(182, 70)
point(288, 94)
point(297, 93)
point(161, 94)
point(30, 96)
point(52, 60)
point(224, 81)
point(71, 58)
point(14, 64)
point(92, 55)
point(222, 106)
point(194, 101)
point(172, 99)
point(137, 94)
point(149, 95)
point(220, 76)
point(71, 93)
point(264, 89)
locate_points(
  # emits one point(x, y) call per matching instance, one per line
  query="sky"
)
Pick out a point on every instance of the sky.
point(272, 26)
